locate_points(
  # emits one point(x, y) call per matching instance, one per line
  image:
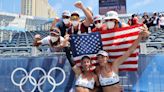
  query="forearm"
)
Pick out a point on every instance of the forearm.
point(53, 24)
point(36, 43)
point(87, 14)
point(121, 59)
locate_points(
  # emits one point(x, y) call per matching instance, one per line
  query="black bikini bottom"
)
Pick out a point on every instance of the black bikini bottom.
point(111, 84)
point(83, 87)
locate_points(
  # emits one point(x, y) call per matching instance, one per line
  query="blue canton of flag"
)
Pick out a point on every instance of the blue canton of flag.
point(86, 44)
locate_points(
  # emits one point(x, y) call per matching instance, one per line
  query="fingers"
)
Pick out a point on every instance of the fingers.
point(37, 36)
point(144, 28)
point(78, 4)
point(57, 19)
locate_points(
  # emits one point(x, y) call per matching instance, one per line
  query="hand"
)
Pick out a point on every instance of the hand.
point(67, 37)
point(56, 19)
point(37, 36)
point(144, 33)
point(78, 4)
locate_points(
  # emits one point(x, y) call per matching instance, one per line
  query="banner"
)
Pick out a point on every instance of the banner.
point(53, 73)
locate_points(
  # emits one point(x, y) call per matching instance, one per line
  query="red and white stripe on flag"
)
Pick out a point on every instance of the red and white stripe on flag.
point(117, 42)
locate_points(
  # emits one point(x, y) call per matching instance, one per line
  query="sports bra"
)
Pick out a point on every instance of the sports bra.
point(80, 82)
point(109, 81)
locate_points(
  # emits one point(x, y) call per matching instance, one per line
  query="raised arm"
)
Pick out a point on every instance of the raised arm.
point(75, 68)
point(87, 13)
point(65, 41)
point(37, 40)
point(56, 19)
point(121, 59)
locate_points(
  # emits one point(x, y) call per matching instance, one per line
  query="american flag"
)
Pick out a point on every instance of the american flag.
point(116, 42)
point(85, 44)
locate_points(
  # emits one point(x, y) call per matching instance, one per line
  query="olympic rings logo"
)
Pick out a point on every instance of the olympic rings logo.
point(41, 81)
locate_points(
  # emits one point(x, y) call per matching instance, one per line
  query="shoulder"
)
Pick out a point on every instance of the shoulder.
point(97, 70)
point(95, 76)
point(104, 27)
point(47, 38)
point(124, 24)
point(60, 23)
point(61, 38)
point(94, 30)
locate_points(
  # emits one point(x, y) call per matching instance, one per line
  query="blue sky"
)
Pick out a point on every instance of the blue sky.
point(133, 6)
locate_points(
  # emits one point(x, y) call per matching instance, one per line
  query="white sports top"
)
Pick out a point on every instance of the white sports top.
point(85, 82)
point(114, 79)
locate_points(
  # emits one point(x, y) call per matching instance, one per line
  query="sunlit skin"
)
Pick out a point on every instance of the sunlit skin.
point(106, 70)
point(86, 74)
point(86, 63)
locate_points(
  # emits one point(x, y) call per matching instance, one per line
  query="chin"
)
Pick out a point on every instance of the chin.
point(101, 64)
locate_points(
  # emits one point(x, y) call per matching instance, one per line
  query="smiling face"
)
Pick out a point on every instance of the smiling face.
point(86, 63)
point(102, 60)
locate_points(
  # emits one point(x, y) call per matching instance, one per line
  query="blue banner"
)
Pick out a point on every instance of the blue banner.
point(53, 73)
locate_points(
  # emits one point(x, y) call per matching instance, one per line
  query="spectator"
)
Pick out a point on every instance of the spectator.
point(161, 21)
point(145, 20)
point(54, 40)
point(98, 22)
point(134, 20)
point(64, 24)
point(78, 26)
point(154, 22)
point(112, 21)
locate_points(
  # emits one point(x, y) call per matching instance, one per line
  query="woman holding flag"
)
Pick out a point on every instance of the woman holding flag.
point(86, 79)
point(107, 72)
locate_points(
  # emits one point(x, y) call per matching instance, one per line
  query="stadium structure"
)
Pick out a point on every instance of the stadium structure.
point(16, 43)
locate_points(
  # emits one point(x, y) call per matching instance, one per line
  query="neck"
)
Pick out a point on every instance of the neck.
point(103, 64)
point(67, 25)
point(87, 73)
point(75, 27)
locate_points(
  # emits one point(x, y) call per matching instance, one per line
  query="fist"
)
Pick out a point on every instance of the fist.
point(145, 33)
point(37, 37)
point(67, 37)
point(56, 19)
point(78, 4)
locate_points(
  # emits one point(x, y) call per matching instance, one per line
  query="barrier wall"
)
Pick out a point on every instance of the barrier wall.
point(53, 73)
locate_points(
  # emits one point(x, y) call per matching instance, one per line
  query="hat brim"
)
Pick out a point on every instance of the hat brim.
point(107, 18)
point(85, 56)
point(75, 14)
point(96, 20)
point(66, 15)
point(102, 54)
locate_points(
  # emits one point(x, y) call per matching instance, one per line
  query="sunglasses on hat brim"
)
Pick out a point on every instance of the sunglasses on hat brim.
point(65, 17)
point(54, 32)
point(110, 20)
point(97, 21)
point(74, 17)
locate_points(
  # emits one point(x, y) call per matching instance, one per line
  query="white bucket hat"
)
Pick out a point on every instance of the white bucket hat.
point(111, 15)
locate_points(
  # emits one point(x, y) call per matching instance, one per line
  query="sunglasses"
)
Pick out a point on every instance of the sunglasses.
point(74, 17)
point(65, 17)
point(109, 20)
point(98, 21)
